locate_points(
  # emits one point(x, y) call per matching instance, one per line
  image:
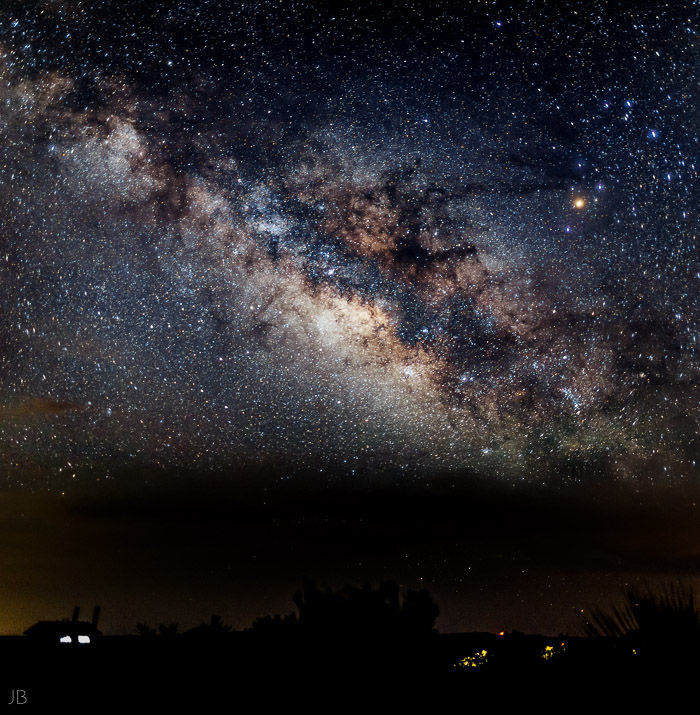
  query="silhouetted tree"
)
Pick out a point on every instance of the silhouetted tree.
point(168, 630)
point(275, 625)
point(365, 611)
point(216, 628)
point(145, 630)
point(419, 612)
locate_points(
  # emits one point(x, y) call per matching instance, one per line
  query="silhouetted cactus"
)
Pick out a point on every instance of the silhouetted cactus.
point(669, 614)
point(663, 626)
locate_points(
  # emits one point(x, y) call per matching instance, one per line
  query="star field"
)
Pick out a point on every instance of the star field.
point(424, 238)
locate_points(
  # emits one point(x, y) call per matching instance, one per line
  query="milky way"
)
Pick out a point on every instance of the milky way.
point(456, 238)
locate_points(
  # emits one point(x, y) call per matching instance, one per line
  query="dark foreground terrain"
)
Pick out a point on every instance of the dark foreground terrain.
point(242, 668)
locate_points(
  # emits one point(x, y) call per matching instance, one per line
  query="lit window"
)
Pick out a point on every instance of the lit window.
point(66, 639)
point(83, 639)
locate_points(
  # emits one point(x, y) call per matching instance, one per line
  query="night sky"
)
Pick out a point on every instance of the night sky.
point(357, 291)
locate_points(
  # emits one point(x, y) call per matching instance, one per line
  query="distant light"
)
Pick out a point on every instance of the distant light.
point(579, 202)
point(66, 639)
point(502, 633)
point(83, 639)
point(473, 661)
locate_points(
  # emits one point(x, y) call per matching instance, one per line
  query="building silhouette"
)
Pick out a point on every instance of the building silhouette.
point(73, 632)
